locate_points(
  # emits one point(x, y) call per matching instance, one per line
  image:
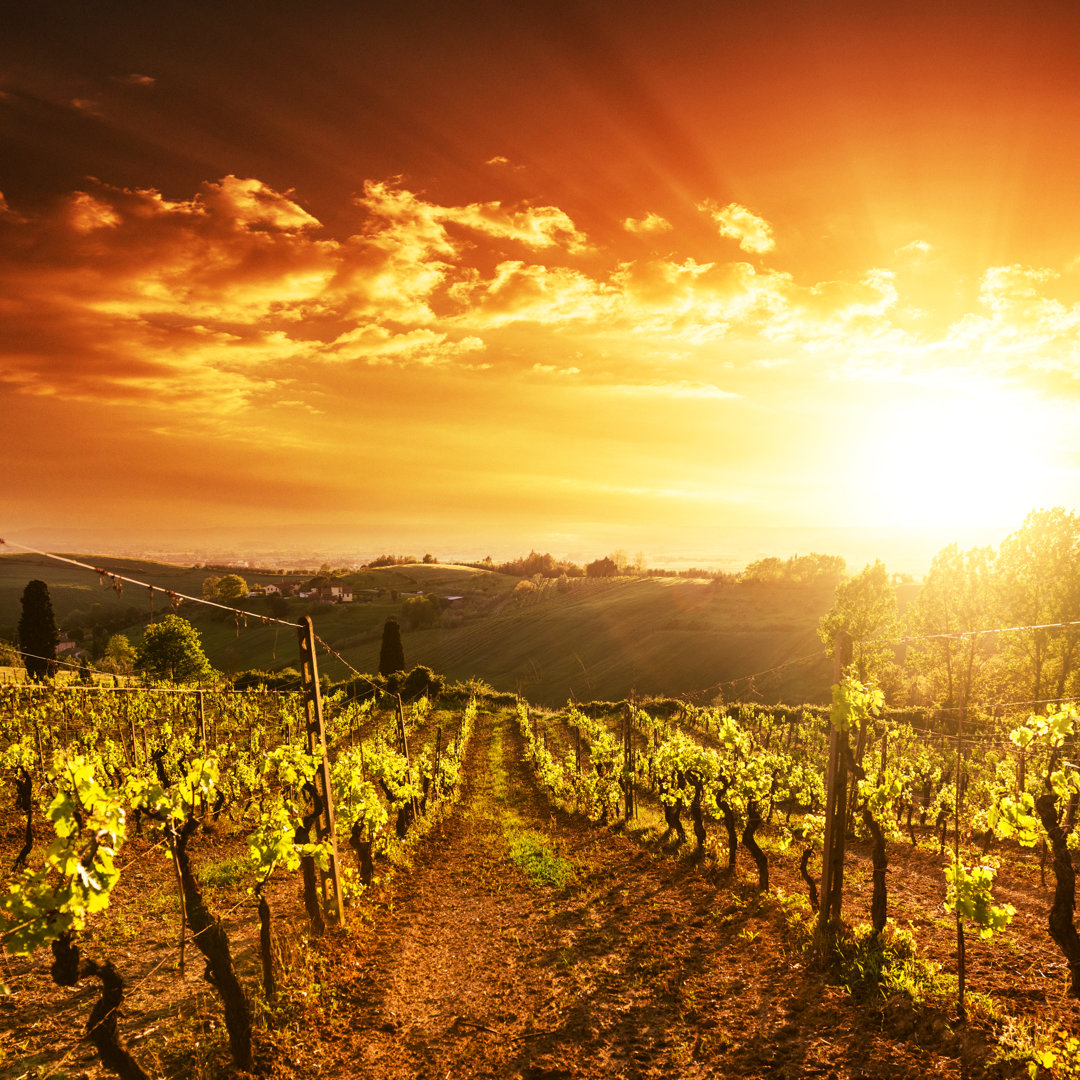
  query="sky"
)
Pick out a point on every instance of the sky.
point(571, 276)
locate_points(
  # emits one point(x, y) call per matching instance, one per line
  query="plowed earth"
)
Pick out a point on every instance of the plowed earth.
point(644, 966)
point(645, 963)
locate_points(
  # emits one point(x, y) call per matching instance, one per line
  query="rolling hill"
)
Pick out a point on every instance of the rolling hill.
point(582, 638)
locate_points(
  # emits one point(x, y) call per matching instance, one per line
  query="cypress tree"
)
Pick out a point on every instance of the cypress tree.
point(392, 653)
point(38, 636)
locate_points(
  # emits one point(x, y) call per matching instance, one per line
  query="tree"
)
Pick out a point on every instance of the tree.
point(120, 656)
point(278, 605)
point(38, 635)
point(231, 587)
point(392, 652)
point(421, 611)
point(210, 587)
point(812, 569)
point(956, 600)
point(601, 568)
point(865, 607)
point(9, 655)
point(1038, 582)
point(171, 649)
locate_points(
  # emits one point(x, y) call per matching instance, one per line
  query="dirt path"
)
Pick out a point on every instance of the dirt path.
point(455, 955)
point(639, 967)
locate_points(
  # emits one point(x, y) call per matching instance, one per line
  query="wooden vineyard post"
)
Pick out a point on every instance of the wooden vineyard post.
point(123, 741)
point(405, 754)
point(200, 705)
point(628, 755)
point(832, 857)
point(316, 740)
point(438, 761)
point(131, 726)
point(961, 958)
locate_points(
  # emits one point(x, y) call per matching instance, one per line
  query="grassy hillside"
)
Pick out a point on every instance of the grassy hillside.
point(603, 639)
point(584, 638)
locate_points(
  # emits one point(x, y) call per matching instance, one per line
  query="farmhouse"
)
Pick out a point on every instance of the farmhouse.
point(335, 594)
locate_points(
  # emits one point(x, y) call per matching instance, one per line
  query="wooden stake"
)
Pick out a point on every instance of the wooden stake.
point(438, 760)
point(832, 858)
point(405, 754)
point(316, 739)
point(961, 958)
point(183, 903)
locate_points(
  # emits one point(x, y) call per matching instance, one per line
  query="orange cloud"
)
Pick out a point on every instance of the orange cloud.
point(753, 233)
point(411, 217)
point(531, 293)
point(650, 225)
point(377, 345)
point(222, 302)
point(87, 105)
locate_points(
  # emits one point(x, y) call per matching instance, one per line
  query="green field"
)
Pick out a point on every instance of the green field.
point(585, 638)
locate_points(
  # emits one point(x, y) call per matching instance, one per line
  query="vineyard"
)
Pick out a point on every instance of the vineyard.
point(471, 886)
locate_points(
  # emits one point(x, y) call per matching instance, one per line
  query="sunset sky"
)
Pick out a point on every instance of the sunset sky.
point(563, 275)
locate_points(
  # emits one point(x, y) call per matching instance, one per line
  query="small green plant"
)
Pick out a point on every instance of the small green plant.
point(1061, 1058)
point(1050, 1053)
point(886, 963)
point(531, 852)
point(226, 874)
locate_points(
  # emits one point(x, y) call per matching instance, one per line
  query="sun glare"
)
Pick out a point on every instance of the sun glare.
point(976, 459)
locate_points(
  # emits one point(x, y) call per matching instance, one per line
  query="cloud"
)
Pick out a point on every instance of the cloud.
point(650, 225)
point(7, 212)
point(521, 292)
point(553, 369)
point(93, 358)
point(916, 248)
point(535, 227)
point(1018, 321)
point(753, 233)
point(376, 345)
point(253, 205)
point(219, 302)
point(135, 79)
point(88, 105)
point(119, 295)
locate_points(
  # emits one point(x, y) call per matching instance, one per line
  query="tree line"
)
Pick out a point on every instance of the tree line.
point(931, 653)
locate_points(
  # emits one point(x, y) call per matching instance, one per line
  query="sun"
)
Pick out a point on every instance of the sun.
point(968, 456)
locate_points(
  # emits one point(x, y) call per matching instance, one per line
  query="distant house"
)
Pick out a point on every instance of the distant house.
point(69, 650)
point(335, 594)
